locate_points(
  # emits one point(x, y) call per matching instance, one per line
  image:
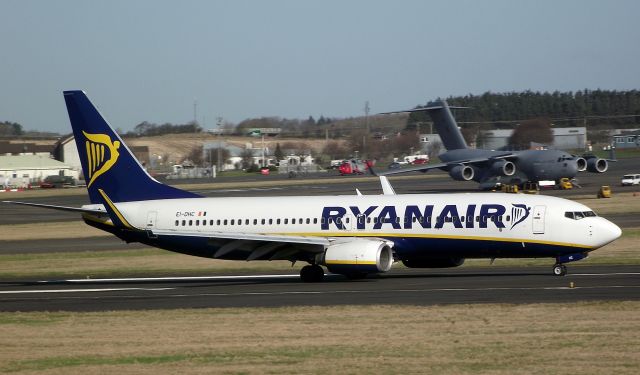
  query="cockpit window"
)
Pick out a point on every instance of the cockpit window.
point(577, 215)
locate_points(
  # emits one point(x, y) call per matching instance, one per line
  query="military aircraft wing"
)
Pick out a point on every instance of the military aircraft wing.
point(446, 166)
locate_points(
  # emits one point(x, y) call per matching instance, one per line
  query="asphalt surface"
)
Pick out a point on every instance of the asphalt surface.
point(412, 287)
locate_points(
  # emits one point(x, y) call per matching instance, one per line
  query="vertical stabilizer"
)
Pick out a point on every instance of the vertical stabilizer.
point(446, 125)
point(108, 164)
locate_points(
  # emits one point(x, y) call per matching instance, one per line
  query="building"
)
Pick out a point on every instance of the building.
point(14, 148)
point(626, 141)
point(574, 138)
point(22, 170)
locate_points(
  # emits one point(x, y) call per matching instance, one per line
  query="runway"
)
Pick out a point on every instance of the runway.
point(412, 287)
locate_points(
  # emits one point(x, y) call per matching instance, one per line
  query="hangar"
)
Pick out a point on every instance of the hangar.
point(24, 170)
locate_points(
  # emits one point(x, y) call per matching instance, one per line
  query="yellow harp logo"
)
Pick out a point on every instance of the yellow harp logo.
point(102, 154)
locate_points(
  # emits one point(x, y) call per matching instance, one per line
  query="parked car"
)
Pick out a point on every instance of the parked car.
point(630, 179)
point(57, 182)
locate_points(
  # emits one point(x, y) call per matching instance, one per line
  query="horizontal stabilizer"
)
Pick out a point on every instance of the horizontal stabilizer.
point(60, 208)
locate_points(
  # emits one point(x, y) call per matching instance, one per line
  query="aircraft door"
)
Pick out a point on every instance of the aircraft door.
point(538, 219)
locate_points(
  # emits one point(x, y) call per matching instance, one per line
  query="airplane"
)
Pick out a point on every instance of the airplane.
point(491, 168)
point(351, 235)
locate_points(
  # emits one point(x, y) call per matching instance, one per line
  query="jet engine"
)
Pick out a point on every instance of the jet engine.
point(433, 262)
point(503, 168)
point(462, 173)
point(358, 257)
point(581, 163)
point(597, 165)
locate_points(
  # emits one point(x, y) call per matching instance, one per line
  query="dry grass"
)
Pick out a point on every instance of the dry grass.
point(50, 230)
point(95, 264)
point(581, 338)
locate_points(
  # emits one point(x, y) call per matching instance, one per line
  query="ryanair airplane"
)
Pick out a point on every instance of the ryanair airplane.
point(352, 235)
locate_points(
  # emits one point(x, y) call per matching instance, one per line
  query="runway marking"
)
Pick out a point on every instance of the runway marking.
point(307, 292)
point(179, 278)
point(605, 274)
point(79, 290)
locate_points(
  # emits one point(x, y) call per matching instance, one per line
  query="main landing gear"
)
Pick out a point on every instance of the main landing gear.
point(312, 273)
point(559, 270)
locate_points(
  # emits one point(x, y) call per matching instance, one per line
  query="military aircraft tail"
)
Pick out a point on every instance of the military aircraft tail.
point(109, 167)
point(446, 125)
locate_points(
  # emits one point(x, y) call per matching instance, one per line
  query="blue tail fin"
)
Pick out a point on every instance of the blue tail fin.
point(107, 162)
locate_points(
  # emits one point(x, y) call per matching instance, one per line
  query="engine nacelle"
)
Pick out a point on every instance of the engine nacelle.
point(597, 165)
point(581, 163)
point(433, 263)
point(503, 168)
point(358, 257)
point(462, 173)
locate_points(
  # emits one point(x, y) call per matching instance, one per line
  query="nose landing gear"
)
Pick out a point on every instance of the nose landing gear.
point(559, 270)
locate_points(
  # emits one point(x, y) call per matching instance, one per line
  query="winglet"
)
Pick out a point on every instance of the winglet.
point(387, 189)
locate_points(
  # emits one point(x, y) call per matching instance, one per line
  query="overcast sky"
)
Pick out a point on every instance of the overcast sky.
point(150, 60)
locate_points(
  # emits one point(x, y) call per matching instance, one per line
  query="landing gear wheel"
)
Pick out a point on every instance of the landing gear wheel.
point(312, 273)
point(559, 270)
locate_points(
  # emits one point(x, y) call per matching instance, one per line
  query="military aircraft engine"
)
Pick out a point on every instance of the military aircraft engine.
point(503, 168)
point(581, 163)
point(358, 257)
point(433, 262)
point(597, 165)
point(462, 173)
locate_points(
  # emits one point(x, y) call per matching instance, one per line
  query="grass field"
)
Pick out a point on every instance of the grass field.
point(580, 338)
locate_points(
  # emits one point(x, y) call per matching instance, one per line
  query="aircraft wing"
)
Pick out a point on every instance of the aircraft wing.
point(257, 246)
point(445, 166)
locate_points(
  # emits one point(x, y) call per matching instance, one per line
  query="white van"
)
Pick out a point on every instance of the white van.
point(630, 179)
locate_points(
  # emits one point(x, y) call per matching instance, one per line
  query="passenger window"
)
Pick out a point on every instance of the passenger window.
point(232, 221)
point(177, 222)
point(190, 222)
point(308, 221)
point(255, 221)
point(270, 221)
point(263, 221)
point(286, 221)
point(368, 220)
point(508, 218)
point(293, 221)
point(315, 220)
point(225, 221)
point(184, 222)
point(218, 222)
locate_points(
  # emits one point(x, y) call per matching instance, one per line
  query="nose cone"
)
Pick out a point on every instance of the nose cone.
point(605, 232)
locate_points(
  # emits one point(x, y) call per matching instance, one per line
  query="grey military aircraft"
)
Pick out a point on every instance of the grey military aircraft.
point(491, 168)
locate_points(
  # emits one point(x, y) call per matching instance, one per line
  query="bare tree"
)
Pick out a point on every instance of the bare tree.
point(536, 130)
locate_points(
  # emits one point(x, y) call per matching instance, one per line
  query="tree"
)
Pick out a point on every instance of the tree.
point(212, 155)
point(247, 158)
point(536, 130)
point(195, 155)
point(278, 152)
